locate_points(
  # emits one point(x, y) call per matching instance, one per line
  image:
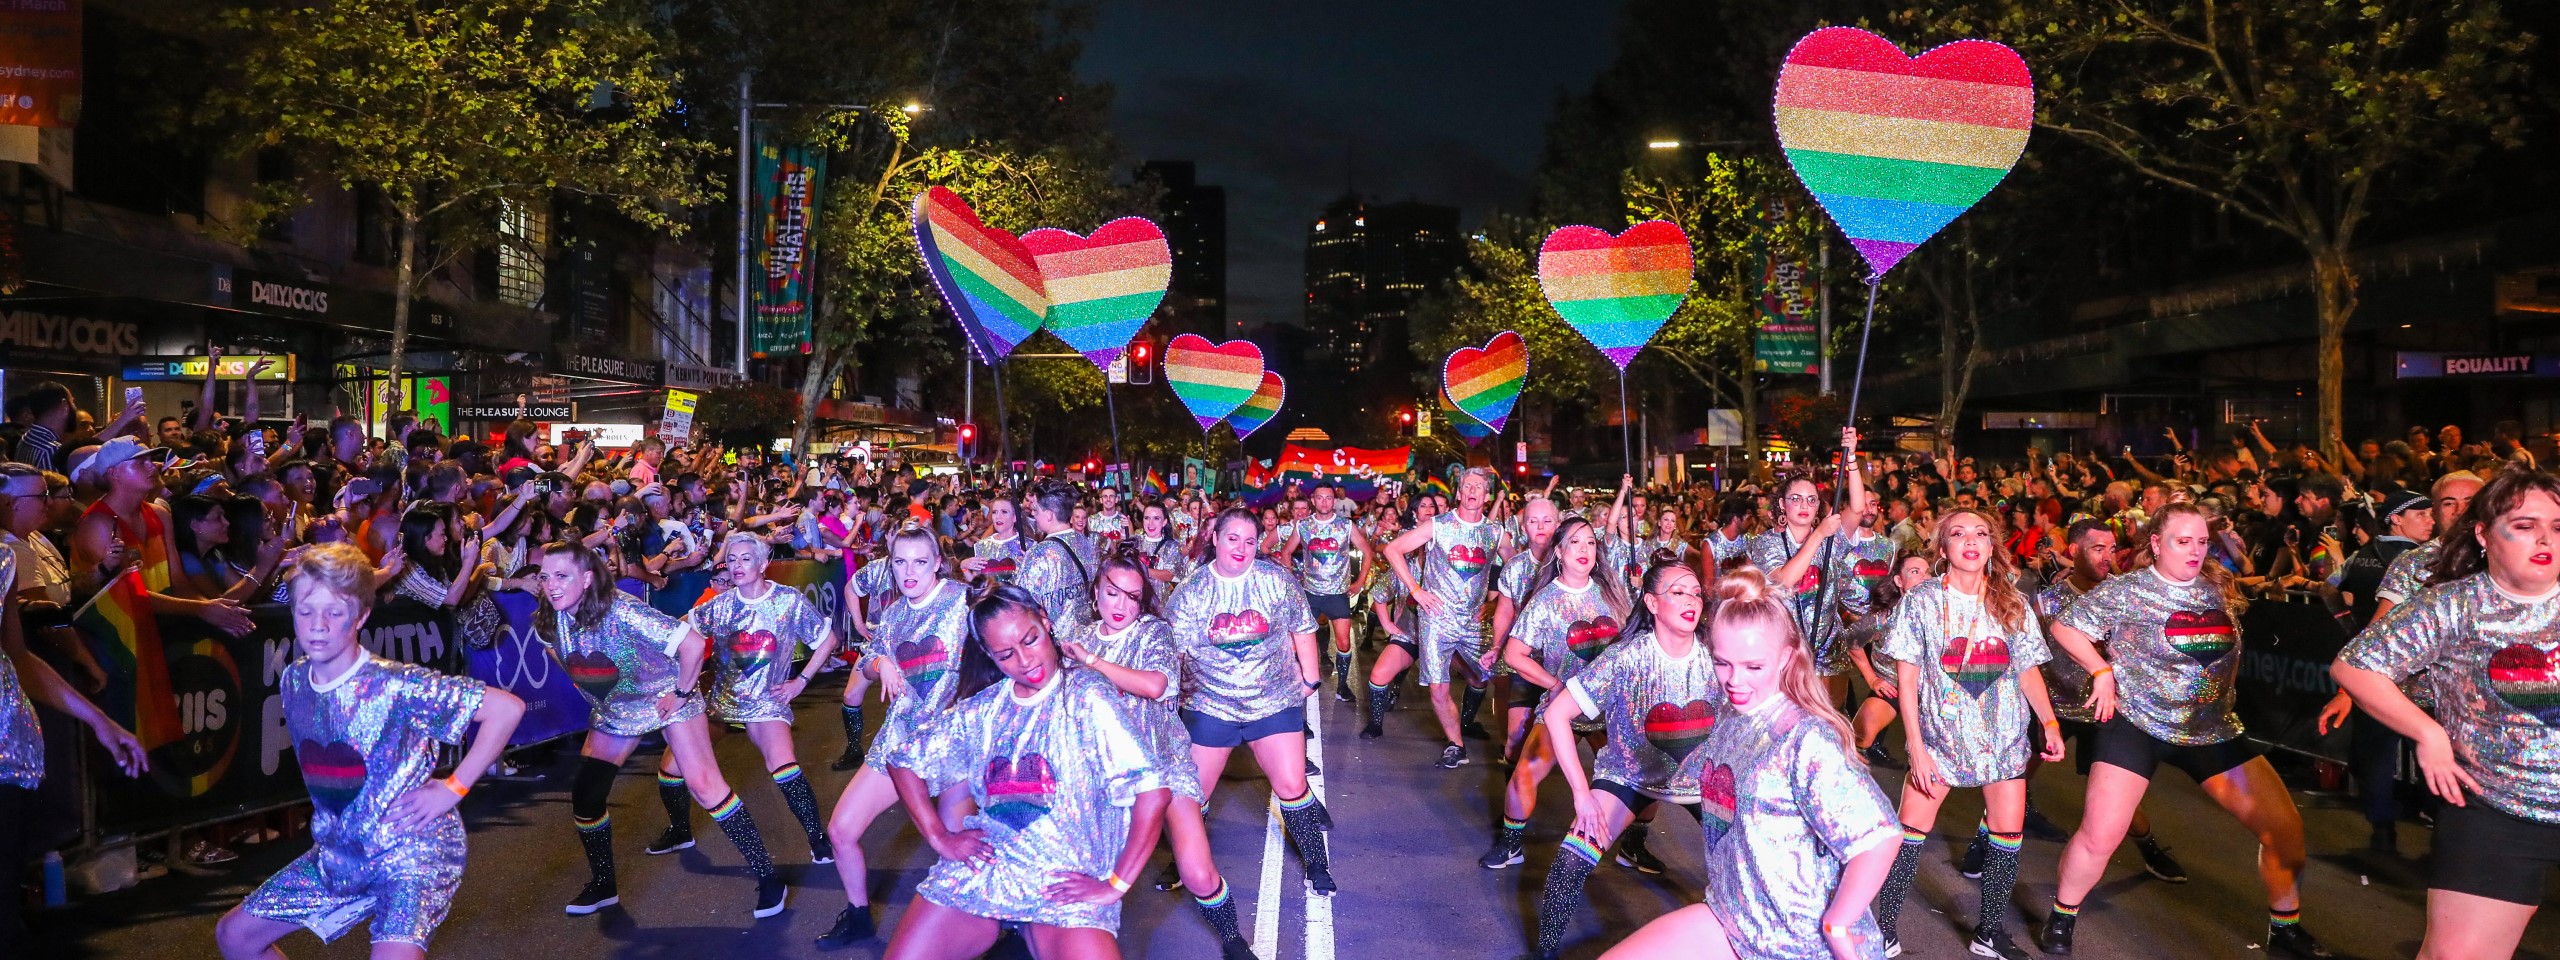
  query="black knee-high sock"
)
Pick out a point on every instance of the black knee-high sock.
point(1999, 879)
point(1220, 910)
point(734, 820)
point(1563, 896)
point(1342, 668)
point(1381, 700)
point(1305, 817)
point(677, 800)
point(597, 837)
point(803, 802)
point(1468, 704)
point(853, 726)
point(1897, 884)
point(589, 790)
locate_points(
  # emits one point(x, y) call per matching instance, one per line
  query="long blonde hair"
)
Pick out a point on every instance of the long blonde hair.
point(1743, 602)
point(2000, 577)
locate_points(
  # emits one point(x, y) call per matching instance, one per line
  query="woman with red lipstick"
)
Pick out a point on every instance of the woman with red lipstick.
point(1000, 553)
point(1811, 559)
point(1655, 692)
point(1965, 651)
point(2483, 634)
point(2162, 691)
point(1572, 617)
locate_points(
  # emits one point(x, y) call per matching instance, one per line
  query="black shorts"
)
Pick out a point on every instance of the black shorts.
point(1637, 803)
point(1412, 648)
point(1524, 695)
point(1331, 606)
point(1209, 731)
point(2083, 738)
point(2486, 852)
point(2121, 744)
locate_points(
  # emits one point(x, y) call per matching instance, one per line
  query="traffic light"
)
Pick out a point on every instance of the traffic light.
point(1142, 361)
point(1404, 418)
point(1521, 468)
point(968, 441)
point(1092, 466)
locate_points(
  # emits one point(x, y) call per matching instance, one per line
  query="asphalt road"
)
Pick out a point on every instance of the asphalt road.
point(1404, 849)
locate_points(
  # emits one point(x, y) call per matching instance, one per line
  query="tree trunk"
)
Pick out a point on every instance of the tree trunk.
point(1959, 352)
point(819, 374)
point(402, 281)
point(2334, 282)
point(1748, 385)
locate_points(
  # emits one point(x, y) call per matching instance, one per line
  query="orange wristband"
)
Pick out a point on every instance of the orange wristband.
point(455, 784)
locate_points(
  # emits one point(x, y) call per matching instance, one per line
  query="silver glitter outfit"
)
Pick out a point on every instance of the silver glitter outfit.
point(1147, 644)
point(1238, 638)
point(363, 742)
point(878, 588)
point(1054, 775)
point(1059, 571)
point(1658, 711)
point(1817, 621)
point(2494, 664)
point(1325, 554)
point(2176, 652)
point(1163, 553)
point(1107, 529)
point(1566, 629)
point(1974, 718)
point(1457, 567)
point(922, 641)
point(2408, 572)
point(753, 641)
point(1783, 808)
point(1870, 562)
point(1004, 557)
point(624, 664)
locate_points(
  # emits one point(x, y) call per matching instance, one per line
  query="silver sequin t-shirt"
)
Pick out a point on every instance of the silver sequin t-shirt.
point(2176, 651)
point(1974, 718)
point(1817, 621)
point(624, 664)
point(1238, 637)
point(363, 742)
point(1147, 644)
point(1658, 711)
point(920, 639)
point(1326, 554)
point(1565, 629)
point(1054, 775)
point(2407, 573)
point(1458, 566)
point(752, 641)
point(1782, 809)
point(2494, 660)
point(21, 739)
point(1059, 571)
point(1003, 556)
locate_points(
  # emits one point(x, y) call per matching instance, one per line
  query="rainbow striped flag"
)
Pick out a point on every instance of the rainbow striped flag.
point(118, 628)
point(1153, 485)
point(1357, 473)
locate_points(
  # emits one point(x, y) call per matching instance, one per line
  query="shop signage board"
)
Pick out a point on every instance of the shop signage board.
point(2475, 366)
point(677, 425)
point(624, 369)
point(281, 370)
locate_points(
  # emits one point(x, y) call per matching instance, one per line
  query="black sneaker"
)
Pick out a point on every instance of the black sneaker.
point(2055, 938)
point(1452, 757)
point(1236, 950)
point(1994, 942)
point(1376, 728)
point(2042, 829)
point(597, 895)
point(1505, 853)
point(771, 895)
point(1474, 731)
point(2156, 860)
point(1878, 756)
point(1633, 856)
point(852, 758)
point(670, 842)
point(1320, 883)
point(1972, 867)
point(821, 852)
point(1313, 770)
point(1892, 947)
point(1170, 879)
point(2291, 940)
point(852, 926)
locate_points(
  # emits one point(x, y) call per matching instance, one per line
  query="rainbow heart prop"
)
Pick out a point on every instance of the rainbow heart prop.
point(1102, 288)
point(1259, 408)
point(1019, 794)
point(1975, 663)
point(2521, 675)
point(1213, 379)
point(1616, 291)
point(1895, 147)
point(987, 275)
point(1485, 383)
point(1677, 728)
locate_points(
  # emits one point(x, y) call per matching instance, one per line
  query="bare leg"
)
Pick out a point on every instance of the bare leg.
point(865, 798)
point(2114, 794)
point(1071, 943)
point(2253, 793)
point(1689, 933)
point(1212, 762)
point(1283, 758)
point(1391, 663)
point(245, 936)
point(2463, 926)
point(931, 931)
point(1445, 709)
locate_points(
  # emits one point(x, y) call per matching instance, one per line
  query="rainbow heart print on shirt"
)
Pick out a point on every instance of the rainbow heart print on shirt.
point(1468, 560)
point(1101, 288)
point(333, 772)
point(1716, 801)
point(922, 662)
point(1678, 728)
point(2203, 635)
point(2525, 678)
point(1616, 291)
point(1975, 663)
point(1236, 634)
point(1019, 792)
point(1588, 638)
point(1895, 147)
point(988, 277)
point(594, 674)
point(753, 650)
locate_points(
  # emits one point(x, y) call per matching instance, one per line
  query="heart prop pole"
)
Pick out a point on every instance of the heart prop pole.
point(1111, 402)
point(1626, 441)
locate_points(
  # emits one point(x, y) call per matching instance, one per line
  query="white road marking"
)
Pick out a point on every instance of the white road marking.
point(1266, 905)
point(1319, 909)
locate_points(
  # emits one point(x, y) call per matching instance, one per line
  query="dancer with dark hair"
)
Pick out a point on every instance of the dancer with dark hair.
point(1811, 560)
point(1058, 567)
point(1397, 619)
point(1458, 551)
point(1332, 557)
point(1574, 613)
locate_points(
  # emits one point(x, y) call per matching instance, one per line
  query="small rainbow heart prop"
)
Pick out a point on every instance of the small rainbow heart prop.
point(1259, 408)
point(987, 275)
point(1485, 383)
point(1896, 147)
point(1213, 379)
point(1616, 291)
point(1102, 288)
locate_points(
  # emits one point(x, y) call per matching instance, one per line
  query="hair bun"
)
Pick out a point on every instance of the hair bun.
point(1745, 585)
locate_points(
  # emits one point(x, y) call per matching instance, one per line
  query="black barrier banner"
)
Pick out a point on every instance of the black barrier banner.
point(2285, 652)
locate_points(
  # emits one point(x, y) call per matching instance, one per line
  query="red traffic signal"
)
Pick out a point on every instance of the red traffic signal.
point(1405, 418)
point(1521, 468)
point(1092, 466)
point(968, 432)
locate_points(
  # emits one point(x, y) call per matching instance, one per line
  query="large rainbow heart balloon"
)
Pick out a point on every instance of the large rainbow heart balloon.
point(1213, 379)
point(1485, 383)
point(1896, 147)
point(1102, 288)
point(1261, 407)
point(1616, 291)
point(987, 275)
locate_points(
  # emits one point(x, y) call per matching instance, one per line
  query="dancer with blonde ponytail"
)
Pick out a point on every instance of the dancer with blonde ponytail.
point(1798, 838)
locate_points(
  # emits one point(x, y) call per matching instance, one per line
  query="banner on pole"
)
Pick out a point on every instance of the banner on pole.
point(677, 425)
point(1788, 338)
point(788, 180)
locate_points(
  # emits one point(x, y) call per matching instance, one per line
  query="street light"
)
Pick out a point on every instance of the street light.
point(1662, 145)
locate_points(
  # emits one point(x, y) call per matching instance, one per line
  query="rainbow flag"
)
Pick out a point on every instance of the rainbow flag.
point(1896, 147)
point(1435, 485)
point(118, 628)
point(1153, 485)
point(1357, 473)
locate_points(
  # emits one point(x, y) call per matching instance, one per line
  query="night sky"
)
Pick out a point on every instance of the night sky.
point(1287, 104)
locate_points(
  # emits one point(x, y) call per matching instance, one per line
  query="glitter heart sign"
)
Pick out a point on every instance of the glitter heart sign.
point(1896, 147)
point(1212, 379)
point(1261, 407)
point(1102, 288)
point(1616, 291)
point(987, 276)
point(1485, 382)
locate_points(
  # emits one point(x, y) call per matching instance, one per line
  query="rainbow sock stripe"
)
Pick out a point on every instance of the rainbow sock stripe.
point(1576, 845)
point(2060, 910)
point(727, 808)
point(666, 779)
point(1511, 824)
point(1214, 900)
point(1982, 827)
point(1910, 835)
point(786, 773)
point(2284, 918)
point(1304, 801)
point(2008, 841)
point(598, 823)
